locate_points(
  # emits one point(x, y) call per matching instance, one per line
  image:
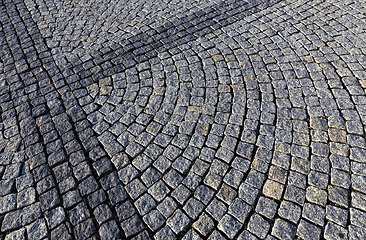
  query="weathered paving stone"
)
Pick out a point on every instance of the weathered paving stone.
point(144, 204)
point(94, 199)
point(19, 234)
point(273, 189)
point(283, 229)
point(85, 229)
point(308, 230)
point(181, 194)
point(226, 194)
point(316, 195)
point(79, 213)
point(338, 195)
point(314, 213)
point(247, 193)
point(55, 217)
point(26, 197)
point(178, 221)
point(216, 235)
point(337, 215)
point(204, 194)
point(6, 186)
point(49, 199)
point(258, 226)
point(109, 230)
point(31, 213)
point(132, 225)
point(167, 207)
point(216, 209)
point(204, 224)
point(229, 226)
point(333, 231)
point(154, 220)
point(193, 208)
point(60, 232)
point(356, 232)
point(358, 200)
point(11, 221)
point(266, 207)
point(290, 211)
point(103, 213)
point(247, 235)
point(357, 217)
point(178, 120)
point(239, 209)
point(8, 203)
point(165, 233)
point(37, 230)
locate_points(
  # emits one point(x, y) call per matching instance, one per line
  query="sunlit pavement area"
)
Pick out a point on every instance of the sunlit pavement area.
point(159, 119)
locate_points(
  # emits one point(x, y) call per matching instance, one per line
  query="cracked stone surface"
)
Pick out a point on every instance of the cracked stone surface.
point(141, 119)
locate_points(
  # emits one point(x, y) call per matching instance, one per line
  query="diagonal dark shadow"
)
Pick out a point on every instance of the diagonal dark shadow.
point(39, 89)
point(146, 45)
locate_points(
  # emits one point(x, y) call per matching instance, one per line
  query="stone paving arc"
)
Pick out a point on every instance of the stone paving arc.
point(192, 119)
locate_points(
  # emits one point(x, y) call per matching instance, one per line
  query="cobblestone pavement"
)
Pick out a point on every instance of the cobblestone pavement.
point(167, 119)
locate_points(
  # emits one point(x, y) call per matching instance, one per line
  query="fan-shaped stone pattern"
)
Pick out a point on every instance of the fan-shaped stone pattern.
point(182, 120)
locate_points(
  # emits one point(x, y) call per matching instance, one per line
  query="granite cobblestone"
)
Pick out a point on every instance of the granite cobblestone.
point(240, 119)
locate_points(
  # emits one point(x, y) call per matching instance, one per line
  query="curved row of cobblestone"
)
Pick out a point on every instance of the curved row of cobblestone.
point(182, 120)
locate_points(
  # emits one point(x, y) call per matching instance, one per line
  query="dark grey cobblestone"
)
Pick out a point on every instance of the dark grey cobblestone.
point(182, 119)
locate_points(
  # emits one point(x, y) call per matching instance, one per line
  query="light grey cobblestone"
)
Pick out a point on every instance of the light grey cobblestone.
point(182, 119)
